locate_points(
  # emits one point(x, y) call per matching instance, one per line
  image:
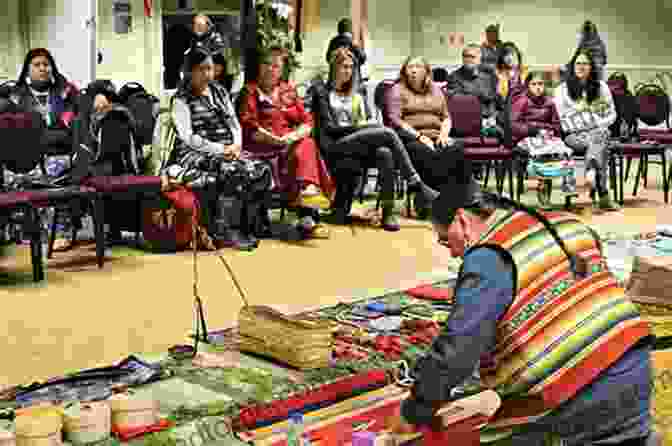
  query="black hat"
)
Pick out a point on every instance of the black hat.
point(492, 29)
point(458, 189)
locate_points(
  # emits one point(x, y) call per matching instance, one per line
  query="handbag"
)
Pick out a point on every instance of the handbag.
point(169, 221)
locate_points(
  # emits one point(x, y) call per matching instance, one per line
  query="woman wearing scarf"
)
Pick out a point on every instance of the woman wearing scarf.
point(554, 333)
point(277, 128)
point(42, 88)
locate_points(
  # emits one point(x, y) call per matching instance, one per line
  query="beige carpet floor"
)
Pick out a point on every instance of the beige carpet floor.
point(82, 316)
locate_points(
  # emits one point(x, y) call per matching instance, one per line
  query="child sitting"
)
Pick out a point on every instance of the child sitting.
point(536, 129)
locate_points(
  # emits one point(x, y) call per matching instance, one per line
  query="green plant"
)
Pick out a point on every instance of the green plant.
point(273, 32)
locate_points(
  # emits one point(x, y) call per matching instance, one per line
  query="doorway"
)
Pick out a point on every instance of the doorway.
point(177, 38)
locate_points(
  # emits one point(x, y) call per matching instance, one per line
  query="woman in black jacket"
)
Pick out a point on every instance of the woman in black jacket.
point(42, 88)
point(345, 131)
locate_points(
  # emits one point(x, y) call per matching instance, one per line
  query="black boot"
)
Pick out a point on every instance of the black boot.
point(263, 224)
point(227, 224)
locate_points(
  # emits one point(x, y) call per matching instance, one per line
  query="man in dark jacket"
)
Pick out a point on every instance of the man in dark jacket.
point(491, 46)
point(344, 39)
point(474, 79)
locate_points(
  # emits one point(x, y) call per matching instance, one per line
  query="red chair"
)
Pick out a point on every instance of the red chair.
point(465, 112)
point(130, 189)
point(652, 108)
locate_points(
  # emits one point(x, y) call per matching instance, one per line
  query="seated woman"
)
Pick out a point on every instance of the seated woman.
point(207, 155)
point(346, 131)
point(510, 71)
point(418, 111)
point(536, 131)
point(276, 127)
point(41, 87)
point(586, 109)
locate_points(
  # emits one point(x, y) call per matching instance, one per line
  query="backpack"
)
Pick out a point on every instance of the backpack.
point(145, 109)
point(626, 107)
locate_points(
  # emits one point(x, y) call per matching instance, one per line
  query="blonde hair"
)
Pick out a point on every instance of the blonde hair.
point(427, 83)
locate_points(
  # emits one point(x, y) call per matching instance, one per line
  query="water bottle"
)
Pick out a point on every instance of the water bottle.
point(295, 430)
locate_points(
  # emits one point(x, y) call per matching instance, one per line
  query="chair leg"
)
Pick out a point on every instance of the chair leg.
point(646, 170)
point(621, 189)
point(282, 213)
point(627, 168)
point(138, 221)
point(666, 186)
point(487, 175)
point(99, 229)
point(612, 176)
point(52, 234)
point(509, 166)
point(639, 175)
point(35, 230)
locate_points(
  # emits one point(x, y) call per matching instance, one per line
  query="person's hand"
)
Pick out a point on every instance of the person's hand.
point(397, 425)
point(100, 103)
point(426, 141)
point(444, 139)
point(232, 152)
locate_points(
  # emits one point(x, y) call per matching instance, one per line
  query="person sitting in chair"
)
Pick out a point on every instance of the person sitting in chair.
point(207, 156)
point(345, 130)
point(536, 131)
point(41, 87)
point(277, 128)
point(418, 111)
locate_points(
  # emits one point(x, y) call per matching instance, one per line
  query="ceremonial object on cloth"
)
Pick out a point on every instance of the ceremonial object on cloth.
point(130, 413)
point(651, 280)
point(39, 426)
point(334, 425)
point(7, 437)
point(87, 423)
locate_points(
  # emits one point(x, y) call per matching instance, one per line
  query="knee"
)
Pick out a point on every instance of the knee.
point(385, 157)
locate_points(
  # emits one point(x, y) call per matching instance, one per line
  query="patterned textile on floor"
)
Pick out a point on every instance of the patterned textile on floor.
point(376, 410)
point(436, 291)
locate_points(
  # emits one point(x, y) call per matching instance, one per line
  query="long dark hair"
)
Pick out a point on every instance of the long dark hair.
point(575, 87)
point(339, 56)
point(59, 79)
point(507, 48)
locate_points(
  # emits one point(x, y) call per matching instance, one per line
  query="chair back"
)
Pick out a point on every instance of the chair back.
point(653, 105)
point(380, 98)
point(23, 136)
point(465, 113)
point(6, 89)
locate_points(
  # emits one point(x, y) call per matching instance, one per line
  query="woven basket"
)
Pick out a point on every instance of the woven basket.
point(300, 343)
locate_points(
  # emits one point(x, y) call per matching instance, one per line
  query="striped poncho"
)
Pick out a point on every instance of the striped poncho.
point(560, 331)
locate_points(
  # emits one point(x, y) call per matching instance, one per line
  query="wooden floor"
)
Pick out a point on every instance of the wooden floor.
point(84, 317)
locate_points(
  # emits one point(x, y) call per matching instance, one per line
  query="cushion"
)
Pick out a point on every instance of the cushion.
point(476, 141)
point(487, 153)
point(124, 183)
point(635, 148)
point(663, 136)
point(44, 196)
